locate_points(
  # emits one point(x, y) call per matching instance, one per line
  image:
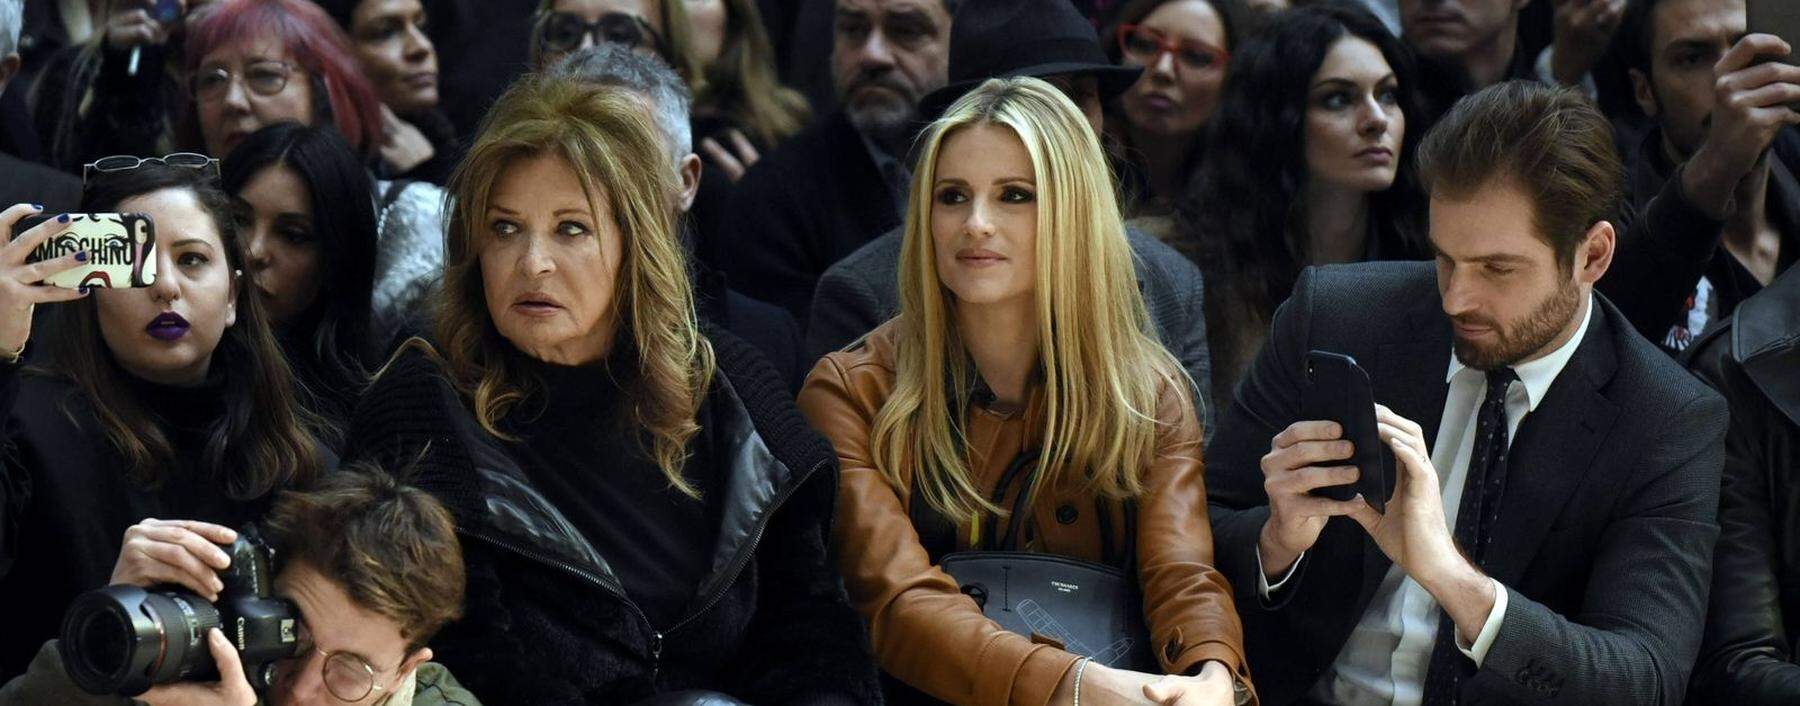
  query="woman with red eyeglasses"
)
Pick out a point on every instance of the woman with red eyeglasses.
point(1158, 126)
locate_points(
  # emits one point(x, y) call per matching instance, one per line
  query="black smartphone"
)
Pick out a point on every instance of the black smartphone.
point(166, 11)
point(1778, 17)
point(1338, 390)
point(121, 248)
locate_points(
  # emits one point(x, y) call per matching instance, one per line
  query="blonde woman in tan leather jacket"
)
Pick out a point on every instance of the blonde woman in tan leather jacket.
point(1021, 330)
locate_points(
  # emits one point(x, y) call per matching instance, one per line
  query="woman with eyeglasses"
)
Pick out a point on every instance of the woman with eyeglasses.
point(651, 27)
point(418, 141)
point(1159, 126)
point(308, 228)
point(168, 400)
point(254, 63)
point(1310, 163)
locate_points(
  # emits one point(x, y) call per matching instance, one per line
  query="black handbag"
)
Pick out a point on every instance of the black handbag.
point(1089, 609)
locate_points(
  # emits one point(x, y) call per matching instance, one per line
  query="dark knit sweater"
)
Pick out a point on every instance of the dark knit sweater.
point(577, 445)
point(67, 497)
point(545, 623)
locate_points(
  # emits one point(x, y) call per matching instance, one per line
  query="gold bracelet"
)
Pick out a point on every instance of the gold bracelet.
point(1079, 668)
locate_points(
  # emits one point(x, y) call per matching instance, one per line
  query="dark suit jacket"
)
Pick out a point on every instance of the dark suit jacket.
point(862, 290)
point(815, 199)
point(1607, 525)
point(28, 182)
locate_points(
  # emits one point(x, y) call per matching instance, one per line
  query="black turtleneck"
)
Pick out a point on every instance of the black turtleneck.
point(575, 441)
point(67, 495)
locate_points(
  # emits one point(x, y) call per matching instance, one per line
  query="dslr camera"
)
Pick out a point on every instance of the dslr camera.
point(124, 639)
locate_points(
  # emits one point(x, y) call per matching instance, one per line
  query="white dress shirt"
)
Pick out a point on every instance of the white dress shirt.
point(1385, 660)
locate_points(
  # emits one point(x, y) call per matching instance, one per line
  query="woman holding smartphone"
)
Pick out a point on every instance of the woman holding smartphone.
point(170, 400)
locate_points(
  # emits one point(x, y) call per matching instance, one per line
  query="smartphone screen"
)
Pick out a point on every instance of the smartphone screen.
point(121, 249)
point(166, 11)
point(1338, 390)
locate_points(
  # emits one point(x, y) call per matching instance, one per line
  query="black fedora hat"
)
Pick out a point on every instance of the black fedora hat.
point(1006, 38)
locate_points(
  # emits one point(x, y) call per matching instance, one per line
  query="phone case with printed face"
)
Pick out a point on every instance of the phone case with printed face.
point(121, 249)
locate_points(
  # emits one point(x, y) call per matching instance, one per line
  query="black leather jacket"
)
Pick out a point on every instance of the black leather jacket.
point(1749, 656)
point(549, 622)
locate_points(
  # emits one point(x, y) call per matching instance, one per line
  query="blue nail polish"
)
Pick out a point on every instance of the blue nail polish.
point(81, 256)
point(84, 289)
point(37, 206)
point(63, 218)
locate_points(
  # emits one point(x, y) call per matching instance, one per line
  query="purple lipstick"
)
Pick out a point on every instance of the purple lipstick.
point(167, 326)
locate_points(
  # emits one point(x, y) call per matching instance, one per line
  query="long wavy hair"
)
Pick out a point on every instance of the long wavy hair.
point(678, 46)
point(618, 155)
point(742, 84)
point(263, 440)
point(1243, 220)
point(1103, 367)
point(331, 341)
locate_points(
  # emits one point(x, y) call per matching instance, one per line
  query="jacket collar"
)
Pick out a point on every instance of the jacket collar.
point(512, 512)
point(1765, 341)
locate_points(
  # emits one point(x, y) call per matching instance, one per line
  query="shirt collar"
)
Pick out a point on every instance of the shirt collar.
point(1537, 375)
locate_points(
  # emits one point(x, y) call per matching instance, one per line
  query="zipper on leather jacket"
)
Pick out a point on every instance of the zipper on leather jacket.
point(658, 637)
point(743, 557)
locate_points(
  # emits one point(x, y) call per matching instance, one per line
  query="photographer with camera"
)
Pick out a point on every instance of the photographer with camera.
point(369, 569)
point(164, 400)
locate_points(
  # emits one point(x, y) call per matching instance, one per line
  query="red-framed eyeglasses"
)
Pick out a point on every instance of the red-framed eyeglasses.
point(1146, 46)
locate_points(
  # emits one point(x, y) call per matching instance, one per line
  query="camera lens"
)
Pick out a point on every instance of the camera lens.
point(104, 640)
point(123, 640)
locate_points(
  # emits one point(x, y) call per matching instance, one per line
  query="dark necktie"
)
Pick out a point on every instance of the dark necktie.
point(1479, 508)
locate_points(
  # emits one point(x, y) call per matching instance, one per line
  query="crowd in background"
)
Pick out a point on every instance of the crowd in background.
point(670, 351)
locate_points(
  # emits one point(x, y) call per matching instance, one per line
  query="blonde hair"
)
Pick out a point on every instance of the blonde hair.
point(607, 139)
point(742, 83)
point(1102, 364)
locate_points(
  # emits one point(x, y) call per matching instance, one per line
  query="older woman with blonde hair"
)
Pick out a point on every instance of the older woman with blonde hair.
point(642, 508)
point(1022, 377)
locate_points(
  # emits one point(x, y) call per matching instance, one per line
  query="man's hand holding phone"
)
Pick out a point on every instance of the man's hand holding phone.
point(22, 285)
point(1300, 460)
point(1753, 98)
point(1414, 533)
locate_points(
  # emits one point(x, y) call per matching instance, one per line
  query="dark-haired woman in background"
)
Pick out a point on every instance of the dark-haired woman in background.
point(310, 244)
point(254, 63)
point(417, 139)
point(1158, 128)
point(170, 400)
point(1309, 163)
point(652, 27)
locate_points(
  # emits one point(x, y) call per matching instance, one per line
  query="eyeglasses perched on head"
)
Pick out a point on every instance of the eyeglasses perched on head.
point(125, 162)
point(1146, 46)
point(263, 78)
point(563, 32)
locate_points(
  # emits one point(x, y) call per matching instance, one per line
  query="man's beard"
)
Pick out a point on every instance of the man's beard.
point(1524, 338)
point(884, 117)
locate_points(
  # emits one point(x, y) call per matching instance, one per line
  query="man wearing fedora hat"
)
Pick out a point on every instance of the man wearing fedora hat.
point(840, 182)
point(1051, 41)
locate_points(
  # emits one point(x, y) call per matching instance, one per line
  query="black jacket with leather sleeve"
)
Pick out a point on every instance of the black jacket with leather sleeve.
point(548, 621)
point(1748, 655)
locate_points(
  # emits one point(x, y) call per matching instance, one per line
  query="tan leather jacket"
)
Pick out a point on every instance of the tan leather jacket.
point(930, 635)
